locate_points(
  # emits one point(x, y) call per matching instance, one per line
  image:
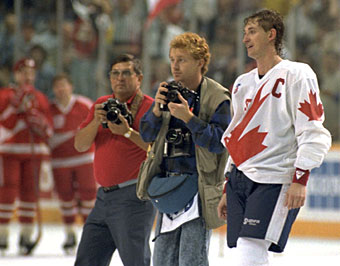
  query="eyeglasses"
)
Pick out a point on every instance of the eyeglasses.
point(116, 73)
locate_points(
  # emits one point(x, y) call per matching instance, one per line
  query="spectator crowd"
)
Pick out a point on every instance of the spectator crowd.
point(129, 28)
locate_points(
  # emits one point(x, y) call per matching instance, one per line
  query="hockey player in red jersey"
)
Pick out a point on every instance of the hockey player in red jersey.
point(72, 171)
point(25, 126)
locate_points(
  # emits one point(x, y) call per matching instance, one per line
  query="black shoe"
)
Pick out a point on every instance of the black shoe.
point(70, 243)
point(26, 246)
point(3, 246)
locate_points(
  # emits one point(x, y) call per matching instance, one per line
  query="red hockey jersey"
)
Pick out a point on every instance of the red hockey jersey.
point(65, 123)
point(25, 122)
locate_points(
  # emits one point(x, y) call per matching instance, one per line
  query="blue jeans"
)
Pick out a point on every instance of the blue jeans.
point(119, 220)
point(188, 245)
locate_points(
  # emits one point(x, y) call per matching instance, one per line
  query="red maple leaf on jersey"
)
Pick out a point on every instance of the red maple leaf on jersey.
point(313, 110)
point(241, 149)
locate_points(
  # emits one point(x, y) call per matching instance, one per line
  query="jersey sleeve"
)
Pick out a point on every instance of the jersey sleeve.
point(313, 140)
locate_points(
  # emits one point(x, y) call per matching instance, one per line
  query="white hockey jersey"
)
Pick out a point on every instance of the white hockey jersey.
point(277, 123)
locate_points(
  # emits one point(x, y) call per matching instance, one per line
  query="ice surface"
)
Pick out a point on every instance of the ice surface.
point(325, 252)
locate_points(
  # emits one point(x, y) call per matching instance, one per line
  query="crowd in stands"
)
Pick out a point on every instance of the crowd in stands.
point(316, 25)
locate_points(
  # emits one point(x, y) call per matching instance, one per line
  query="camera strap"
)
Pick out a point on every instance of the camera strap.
point(136, 103)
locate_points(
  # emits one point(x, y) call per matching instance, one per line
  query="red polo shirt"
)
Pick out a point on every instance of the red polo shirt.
point(117, 159)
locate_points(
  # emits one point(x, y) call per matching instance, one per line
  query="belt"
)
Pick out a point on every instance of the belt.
point(173, 173)
point(109, 189)
point(121, 185)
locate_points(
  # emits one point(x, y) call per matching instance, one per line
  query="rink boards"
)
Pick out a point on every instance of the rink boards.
point(320, 217)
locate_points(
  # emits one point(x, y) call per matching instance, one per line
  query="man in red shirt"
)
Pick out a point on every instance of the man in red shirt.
point(72, 171)
point(119, 219)
point(25, 126)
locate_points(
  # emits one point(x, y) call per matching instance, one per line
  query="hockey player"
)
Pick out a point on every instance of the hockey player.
point(275, 138)
point(25, 126)
point(72, 171)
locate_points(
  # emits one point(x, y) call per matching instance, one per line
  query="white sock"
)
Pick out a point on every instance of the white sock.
point(26, 231)
point(252, 252)
point(4, 232)
point(69, 229)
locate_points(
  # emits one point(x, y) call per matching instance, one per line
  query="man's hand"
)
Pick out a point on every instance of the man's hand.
point(23, 100)
point(160, 99)
point(296, 196)
point(181, 110)
point(222, 207)
point(99, 114)
point(123, 128)
point(38, 123)
point(119, 129)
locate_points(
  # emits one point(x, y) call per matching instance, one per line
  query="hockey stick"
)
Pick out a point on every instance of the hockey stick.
point(30, 246)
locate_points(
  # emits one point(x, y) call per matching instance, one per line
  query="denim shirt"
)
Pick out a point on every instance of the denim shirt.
point(207, 135)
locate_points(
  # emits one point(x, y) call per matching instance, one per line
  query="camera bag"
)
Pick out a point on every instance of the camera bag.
point(170, 194)
point(150, 167)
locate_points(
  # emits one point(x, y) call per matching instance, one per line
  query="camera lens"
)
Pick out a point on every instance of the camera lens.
point(174, 136)
point(112, 115)
point(172, 96)
point(123, 110)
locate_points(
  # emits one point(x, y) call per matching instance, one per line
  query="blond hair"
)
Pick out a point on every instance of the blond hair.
point(195, 45)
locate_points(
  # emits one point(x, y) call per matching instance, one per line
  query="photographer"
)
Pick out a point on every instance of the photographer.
point(196, 119)
point(119, 219)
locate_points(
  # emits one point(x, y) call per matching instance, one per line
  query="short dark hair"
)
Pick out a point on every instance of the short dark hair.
point(62, 76)
point(137, 65)
point(269, 19)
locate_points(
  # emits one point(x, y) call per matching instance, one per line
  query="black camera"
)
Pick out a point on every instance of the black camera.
point(113, 108)
point(172, 94)
point(178, 142)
